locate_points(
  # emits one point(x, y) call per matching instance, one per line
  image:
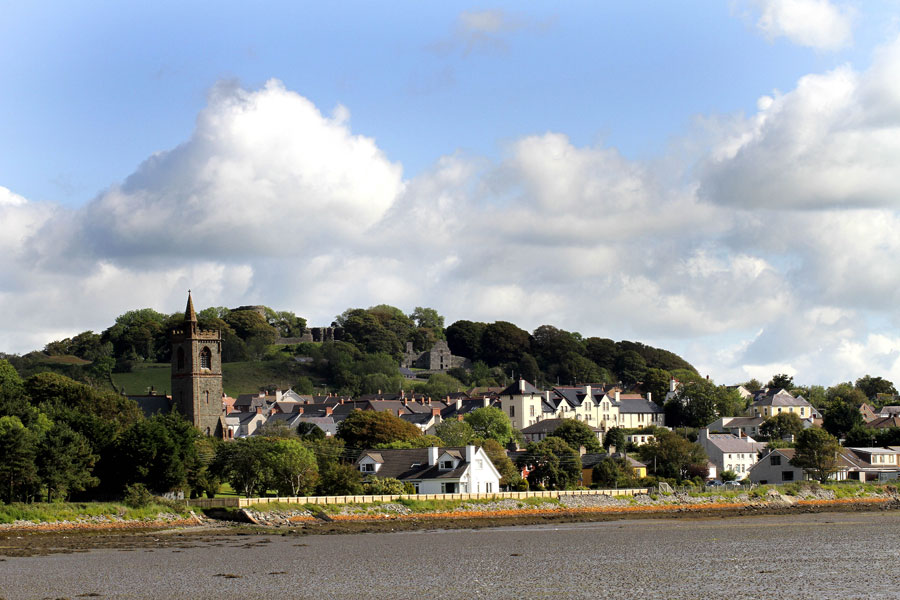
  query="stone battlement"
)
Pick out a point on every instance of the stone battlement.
point(204, 334)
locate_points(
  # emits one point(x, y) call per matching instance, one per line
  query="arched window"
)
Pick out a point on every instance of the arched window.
point(180, 359)
point(205, 358)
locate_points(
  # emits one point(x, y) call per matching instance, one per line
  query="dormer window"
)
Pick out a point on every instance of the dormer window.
point(446, 465)
point(367, 467)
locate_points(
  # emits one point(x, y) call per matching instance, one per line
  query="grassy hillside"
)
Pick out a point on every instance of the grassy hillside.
point(237, 377)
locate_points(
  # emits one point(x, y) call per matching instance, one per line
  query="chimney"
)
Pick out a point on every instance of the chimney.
point(703, 436)
point(379, 392)
point(617, 395)
point(259, 410)
point(342, 399)
point(435, 412)
point(470, 453)
point(673, 383)
point(405, 402)
point(649, 397)
point(459, 404)
point(432, 455)
point(521, 386)
point(328, 410)
point(587, 392)
point(278, 395)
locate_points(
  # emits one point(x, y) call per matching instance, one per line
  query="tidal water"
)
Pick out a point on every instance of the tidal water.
point(837, 555)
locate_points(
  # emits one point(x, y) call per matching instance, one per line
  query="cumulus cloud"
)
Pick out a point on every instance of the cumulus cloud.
point(813, 23)
point(833, 141)
point(271, 201)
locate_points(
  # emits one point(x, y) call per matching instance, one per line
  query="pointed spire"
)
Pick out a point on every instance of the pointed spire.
point(189, 314)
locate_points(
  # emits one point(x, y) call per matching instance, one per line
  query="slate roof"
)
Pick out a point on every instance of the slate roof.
point(638, 405)
point(729, 443)
point(514, 389)
point(412, 463)
point(589, 461)
point(884, 422)
point(153, 404)
point(779, 398)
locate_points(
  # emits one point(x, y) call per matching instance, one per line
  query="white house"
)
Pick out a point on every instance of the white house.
point(434, 470)
point(730, 452)
point(776, 467)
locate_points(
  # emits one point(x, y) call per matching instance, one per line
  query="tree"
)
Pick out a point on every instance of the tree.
point(615, 437)
point(454, 433)
point(464, 338)
point(340, 480)
point(366, 429)
point(428, 318)
point(872, 386)
point(502, 342)
point(612, 472)
point(18, 474)
point(440, 385)
point(781, 426)
point(698, 402)
point(308, 430)
point(554, 464)
point(65, 462)
point(672, 455)
point(243, 463)
point(529, 369)
point(840, 418)
point(818, 453)
point(602, 351)
point(631, 367)
point(575, 368)
point(577, 434)
point(490, 422)
point(781, 381)
point(656, 383)
point(293, 467)
point(510, 476)
point(728, 476)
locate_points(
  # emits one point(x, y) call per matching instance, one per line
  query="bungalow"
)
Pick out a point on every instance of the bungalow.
point(776, 467)
point(434, 470)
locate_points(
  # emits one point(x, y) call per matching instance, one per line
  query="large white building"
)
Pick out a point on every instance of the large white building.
point(730, 452)
point(598, 406)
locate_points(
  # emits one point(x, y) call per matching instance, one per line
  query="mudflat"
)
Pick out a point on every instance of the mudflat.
point(810, 555)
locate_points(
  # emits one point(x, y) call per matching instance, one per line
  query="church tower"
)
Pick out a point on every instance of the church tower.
point(197, 373)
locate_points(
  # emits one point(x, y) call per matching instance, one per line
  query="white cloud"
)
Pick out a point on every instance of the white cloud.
point(833, 141)
point(813, 23)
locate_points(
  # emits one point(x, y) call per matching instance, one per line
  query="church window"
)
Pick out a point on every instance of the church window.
point(180, 359)
point(207, 396)
point(205, 358)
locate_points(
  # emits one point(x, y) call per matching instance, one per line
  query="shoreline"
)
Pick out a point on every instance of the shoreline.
point(379, 523)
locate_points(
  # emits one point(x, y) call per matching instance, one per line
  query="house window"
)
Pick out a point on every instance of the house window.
point(447, 464)
point(416, 486)
point(512, 411)
point(205, 358)
point(787, 475)
point(488, 487)
point(367, 467)
point(801, 411)
point(532, 411)
point(776, 461)
point(479, 463)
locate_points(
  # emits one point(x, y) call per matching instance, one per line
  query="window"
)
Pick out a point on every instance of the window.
point(416, 486)
point(512, 411)
point(532, 410)
point(205, 358)
point(207, 396)
point(776, 461)
point(180, 359)
point(367, 467)
point(479, 464)
point(446, 464)
point(488, 487)
point(801, 411)
point(787, 475)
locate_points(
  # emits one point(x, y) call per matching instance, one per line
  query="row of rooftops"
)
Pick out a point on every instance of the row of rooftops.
point(577, 396)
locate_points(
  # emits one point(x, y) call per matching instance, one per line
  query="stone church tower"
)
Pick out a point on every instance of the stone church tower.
point(197, 374)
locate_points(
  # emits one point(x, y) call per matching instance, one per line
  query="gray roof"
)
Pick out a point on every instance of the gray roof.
point(412, 463)
point(514, 389)
point(638, 405)
point(549, 426)
point(727, 442)
point(588, 461)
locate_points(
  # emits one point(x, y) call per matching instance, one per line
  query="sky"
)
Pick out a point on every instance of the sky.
point(720, 179)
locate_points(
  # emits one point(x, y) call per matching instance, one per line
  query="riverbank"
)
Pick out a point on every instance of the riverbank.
point(470, 514)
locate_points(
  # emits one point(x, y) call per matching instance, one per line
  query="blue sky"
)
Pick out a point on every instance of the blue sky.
point(655, 171)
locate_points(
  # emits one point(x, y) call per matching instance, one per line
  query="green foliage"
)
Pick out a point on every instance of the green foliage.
point(340, 479)
point(817, 453)
point(491, 423)
point(293, 467)
point(137, 496)
point(781, 426)
point(464, 338)
point(615, 436)
point(670, 455)
point(366, 429)
point(18, 473)
point(728, 476)
point(65, 462)
point(509, 474)
point(872, 386)
point(577, 434)
point(425, 441)
point(841, 417)
point(554, 464)
point(454, 433)
point(781, 381)
point(440, 385)
point(612, 472)
point(158, 452)
point(502, 342)
point(387, 486)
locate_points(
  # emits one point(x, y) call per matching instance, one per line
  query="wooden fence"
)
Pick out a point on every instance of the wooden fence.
point(368, 499)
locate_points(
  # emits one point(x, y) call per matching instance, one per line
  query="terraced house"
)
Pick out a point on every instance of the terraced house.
point(600, 406)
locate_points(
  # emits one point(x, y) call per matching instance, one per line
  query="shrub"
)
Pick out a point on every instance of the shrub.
point(137, 496)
